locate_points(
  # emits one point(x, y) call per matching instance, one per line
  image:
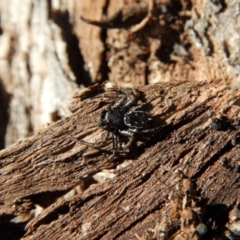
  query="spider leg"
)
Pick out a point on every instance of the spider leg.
point(130, 142)
point(133, 99)
point(122, 99)
point(147, 130)
point(115, 146)
point(138, 107)
point(127, 134)
point(97, 145)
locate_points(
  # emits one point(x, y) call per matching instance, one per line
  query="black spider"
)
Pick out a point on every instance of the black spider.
point(123, 118)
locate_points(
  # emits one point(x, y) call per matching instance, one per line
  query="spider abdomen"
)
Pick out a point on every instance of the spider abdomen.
point(138, 119)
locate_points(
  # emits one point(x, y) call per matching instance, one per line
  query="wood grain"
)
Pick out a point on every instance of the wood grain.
point(49, 164)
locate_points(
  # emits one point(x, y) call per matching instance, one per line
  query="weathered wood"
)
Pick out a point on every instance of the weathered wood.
point(47, 51)
point(43, 167)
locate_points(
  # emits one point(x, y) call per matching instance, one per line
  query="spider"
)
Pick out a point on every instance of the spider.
point(123, 118)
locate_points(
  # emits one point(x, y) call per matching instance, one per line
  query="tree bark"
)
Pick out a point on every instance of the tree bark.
point(192, 141)
point(50, 52)
point(51, 49)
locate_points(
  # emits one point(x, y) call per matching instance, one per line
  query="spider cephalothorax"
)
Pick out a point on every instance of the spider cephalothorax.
point(123, 119)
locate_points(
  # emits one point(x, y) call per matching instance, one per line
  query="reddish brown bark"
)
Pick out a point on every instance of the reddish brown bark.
point(47, 165)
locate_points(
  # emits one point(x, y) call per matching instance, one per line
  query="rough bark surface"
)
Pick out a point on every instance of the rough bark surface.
point(47, 51)
point(190, 140)
point(50, 49)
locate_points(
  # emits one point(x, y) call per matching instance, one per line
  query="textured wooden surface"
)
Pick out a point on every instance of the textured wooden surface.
point(47, 52)
point(42, 168)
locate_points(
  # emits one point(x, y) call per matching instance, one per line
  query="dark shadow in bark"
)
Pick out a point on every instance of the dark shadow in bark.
point(4, 113)
point(76, 60)
point(11, 231)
